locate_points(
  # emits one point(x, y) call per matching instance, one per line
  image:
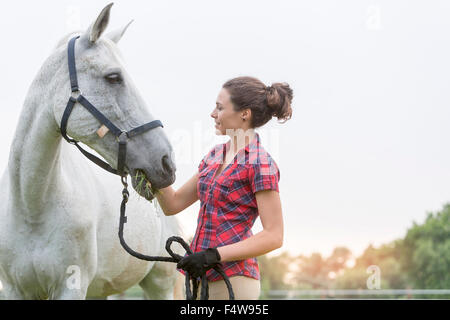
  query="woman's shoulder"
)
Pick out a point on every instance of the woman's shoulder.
point(258, 155)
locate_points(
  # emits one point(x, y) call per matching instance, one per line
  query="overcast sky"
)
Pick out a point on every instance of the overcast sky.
point(366, 151)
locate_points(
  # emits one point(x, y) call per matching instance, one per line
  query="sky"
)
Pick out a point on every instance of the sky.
point(365, 153)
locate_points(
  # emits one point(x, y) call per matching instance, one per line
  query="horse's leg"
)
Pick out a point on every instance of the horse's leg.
point(68, 291)
point(9, 292)
point(179, 292)
point(73, 281)
point(72, 294)
point(74, 273)
point(163, 282)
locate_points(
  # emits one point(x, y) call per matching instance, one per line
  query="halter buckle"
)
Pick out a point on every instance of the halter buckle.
point(123, 137)
point(76, 94)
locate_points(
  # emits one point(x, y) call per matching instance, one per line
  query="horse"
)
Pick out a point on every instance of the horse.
point(59, 213)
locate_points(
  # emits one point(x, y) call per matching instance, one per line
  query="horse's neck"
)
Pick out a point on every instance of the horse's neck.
point(35, 152)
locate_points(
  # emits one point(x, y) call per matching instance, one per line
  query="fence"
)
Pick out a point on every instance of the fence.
point(357, 294)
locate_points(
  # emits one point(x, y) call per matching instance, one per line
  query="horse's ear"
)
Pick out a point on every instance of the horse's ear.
point(98, 27)
point(116, 35)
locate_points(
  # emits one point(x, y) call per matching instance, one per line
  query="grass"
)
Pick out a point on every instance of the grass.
point(133, 293)
point(144, 187)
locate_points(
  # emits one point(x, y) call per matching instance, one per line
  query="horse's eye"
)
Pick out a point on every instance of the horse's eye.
point(114, 78)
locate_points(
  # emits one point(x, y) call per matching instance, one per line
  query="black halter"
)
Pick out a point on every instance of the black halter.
point(122, 136)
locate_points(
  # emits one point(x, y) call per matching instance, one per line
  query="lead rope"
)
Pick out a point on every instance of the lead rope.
point(175, 258)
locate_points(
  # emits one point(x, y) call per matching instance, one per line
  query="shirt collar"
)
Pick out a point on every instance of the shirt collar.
point(253, 145)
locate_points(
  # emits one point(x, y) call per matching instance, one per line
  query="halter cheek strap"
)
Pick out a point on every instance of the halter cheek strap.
point(122, 136)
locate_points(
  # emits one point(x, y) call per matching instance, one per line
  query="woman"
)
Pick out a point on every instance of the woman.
point(235, 183)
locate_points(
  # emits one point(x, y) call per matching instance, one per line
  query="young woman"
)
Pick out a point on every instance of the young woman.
point(236, 182)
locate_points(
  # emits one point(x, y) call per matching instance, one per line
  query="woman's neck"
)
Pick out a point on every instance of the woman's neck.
point(239, 140)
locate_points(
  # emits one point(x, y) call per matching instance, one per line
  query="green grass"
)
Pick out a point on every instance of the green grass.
point(133, 293)
point(144, 187)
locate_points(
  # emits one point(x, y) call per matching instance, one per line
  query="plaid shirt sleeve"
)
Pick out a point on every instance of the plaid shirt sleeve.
point(264, 176)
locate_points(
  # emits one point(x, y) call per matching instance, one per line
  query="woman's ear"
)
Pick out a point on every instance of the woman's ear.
point(246, 114)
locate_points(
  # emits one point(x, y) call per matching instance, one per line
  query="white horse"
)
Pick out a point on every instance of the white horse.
point(59, 213)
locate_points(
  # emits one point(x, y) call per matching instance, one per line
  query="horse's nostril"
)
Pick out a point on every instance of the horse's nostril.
point(166, 164)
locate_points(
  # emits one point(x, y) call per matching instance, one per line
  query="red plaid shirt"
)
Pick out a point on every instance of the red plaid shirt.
point(228, 207)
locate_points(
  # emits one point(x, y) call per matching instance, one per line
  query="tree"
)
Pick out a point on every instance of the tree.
point(273, 271)
point(426, 251)
point(338, 259)
point(314, 271)
point(421, 261)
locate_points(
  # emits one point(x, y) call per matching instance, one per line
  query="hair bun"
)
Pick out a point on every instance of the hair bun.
point(279, 99)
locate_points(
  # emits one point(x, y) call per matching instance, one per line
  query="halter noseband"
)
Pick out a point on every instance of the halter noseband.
point(122, 136)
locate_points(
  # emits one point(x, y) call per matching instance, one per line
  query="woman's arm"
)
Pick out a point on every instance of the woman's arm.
point(173, 202)
point(269, 239)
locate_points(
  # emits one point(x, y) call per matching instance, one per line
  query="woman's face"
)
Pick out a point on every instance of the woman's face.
point(226, 118)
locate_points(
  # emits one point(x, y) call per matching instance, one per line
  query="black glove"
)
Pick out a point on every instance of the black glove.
point(198, 263)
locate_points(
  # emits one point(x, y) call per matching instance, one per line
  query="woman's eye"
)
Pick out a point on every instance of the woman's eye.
point(114, 78)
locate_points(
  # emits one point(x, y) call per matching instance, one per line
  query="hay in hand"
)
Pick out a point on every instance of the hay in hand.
point(144, 187)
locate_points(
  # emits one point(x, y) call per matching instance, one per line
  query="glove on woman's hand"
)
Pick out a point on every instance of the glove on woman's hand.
point(198, 263)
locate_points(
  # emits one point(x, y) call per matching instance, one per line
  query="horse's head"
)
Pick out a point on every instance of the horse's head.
point(104, 81)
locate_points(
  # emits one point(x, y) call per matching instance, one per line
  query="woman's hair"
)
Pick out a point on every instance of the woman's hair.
point(264, 101)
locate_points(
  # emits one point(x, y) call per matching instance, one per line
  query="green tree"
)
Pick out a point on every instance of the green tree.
point(421, 261)
point(273, 271)
point(338, 259)
point(426, 251)
point(386, 258)
point(312, 272)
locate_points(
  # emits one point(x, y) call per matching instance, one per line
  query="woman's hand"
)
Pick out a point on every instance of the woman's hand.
point(198, 263)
